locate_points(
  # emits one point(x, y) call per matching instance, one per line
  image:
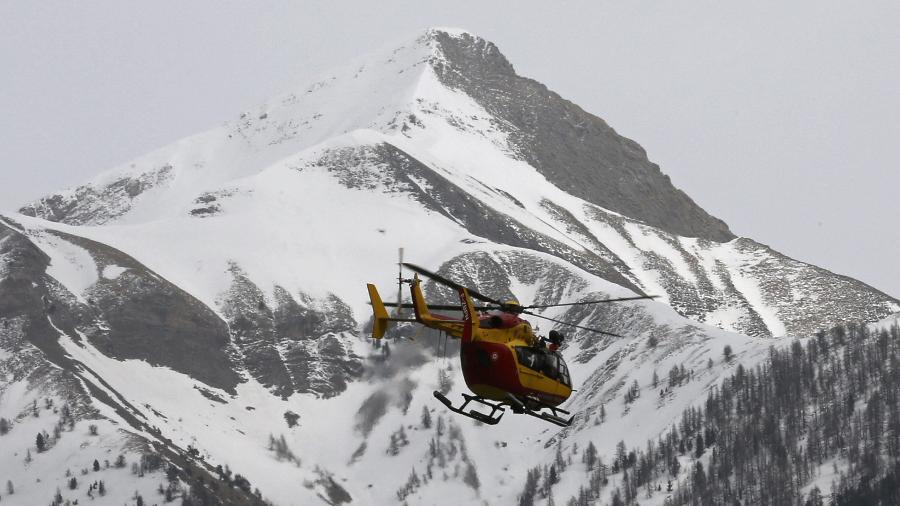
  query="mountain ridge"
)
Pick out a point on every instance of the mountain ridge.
point(461, 54)
point(260, 234)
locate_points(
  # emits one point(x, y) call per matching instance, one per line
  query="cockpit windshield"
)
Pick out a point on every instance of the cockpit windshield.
point(548, 363)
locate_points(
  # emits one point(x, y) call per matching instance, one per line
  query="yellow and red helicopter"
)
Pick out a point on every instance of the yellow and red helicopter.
point(504, 363)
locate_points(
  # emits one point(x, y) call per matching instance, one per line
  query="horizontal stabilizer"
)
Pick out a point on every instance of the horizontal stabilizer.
point(380, 326)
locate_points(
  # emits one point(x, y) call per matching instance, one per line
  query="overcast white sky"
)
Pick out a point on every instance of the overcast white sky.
point(782, 118)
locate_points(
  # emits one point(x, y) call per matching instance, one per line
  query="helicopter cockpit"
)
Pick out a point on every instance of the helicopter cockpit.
point(546, 362)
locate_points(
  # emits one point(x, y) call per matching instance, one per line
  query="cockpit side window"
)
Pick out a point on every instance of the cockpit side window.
point(528, 357)
point(564, 373)
point(547, 363)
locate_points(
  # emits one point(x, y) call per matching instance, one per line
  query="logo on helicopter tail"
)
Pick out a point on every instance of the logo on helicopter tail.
point(465, 305)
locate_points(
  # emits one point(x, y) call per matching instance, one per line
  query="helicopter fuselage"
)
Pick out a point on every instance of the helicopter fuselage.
point(504, 363)
point(503, 356)
point(493, 369)
point(502, 360)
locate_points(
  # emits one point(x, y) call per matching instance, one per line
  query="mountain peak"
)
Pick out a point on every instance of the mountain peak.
point(449, 30)
point(445, 74)
point(574, 149)
point(466, 51)
point(435, 32)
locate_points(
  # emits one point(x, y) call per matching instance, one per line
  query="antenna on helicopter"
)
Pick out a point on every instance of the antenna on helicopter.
point(399, 312)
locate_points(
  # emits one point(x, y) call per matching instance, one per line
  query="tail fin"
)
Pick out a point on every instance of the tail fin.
point(468, 310)
point(419, 304)
point(381, 315)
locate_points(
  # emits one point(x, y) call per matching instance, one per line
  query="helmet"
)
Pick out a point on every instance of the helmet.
point(556, 337)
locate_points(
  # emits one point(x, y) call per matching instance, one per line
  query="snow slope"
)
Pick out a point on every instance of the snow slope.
point(399, 98)
point(233, 428)
point(210, 294)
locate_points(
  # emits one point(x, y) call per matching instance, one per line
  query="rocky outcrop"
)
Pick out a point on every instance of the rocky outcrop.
point(133, 314)
point(386, 168)
point(292, 346)
point(97, 204)
point(575, 150)
point(148, 318)
point(253, 331)
point(743, 285)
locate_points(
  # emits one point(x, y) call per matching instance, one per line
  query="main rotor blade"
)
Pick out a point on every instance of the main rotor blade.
point(452, 284)
point(620, 299)
point(572, 324)
point(440, 307)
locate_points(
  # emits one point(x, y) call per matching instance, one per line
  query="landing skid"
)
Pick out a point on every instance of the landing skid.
point(514, 403)
point(553, 416)
point(475, 415)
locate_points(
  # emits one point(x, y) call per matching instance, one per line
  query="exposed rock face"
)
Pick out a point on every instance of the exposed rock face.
point(738, 285)
point(319, 359)
point(34, 308)
point(324, 366)
point(253, 330)
point(96, 205)
point(21, 264)
point(24, 301)
point(805, 292)
point(148, 318)
point(292, 347)
point(385, 167)
point(133, 315)
point(574, 149)
point(745, 285)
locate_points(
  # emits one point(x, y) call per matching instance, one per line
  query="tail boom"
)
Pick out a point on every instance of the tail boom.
point(424, 316)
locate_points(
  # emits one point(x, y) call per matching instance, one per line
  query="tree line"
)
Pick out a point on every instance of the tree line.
point(825, 406)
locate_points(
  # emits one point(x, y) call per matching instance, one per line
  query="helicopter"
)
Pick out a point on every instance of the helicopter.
point(504, 362)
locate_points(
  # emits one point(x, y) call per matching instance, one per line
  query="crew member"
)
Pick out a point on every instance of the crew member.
point(556, 340)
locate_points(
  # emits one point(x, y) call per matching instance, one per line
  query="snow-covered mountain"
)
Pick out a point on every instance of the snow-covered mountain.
point(204, 300)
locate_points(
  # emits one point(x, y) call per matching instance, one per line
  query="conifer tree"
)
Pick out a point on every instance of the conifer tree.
point(589, 457)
